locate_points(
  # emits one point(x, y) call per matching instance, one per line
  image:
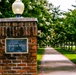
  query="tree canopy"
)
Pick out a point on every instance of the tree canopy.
point(54, 25)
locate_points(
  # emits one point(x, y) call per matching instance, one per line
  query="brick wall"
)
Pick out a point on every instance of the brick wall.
point(18, 64)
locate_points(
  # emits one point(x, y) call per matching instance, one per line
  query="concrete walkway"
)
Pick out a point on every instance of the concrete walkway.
point(54, 63)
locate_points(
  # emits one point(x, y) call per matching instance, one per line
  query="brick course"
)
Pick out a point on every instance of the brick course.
point(18, 64)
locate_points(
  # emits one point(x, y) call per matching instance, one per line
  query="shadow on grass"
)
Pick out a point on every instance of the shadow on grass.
point(40, 53)
point(38, 66)
point(63, 51)
point(70, 55)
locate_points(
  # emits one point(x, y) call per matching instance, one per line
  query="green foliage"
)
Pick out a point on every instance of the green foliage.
point(70, 25)
point(50, 22)
point(6, 9)
point(39, 56)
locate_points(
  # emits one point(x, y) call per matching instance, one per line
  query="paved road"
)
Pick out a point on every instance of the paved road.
point(54, 63)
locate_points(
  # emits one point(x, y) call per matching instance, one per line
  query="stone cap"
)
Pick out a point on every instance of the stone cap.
point(18, 20)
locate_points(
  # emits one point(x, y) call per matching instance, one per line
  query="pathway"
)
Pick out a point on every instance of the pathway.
point(54, 63)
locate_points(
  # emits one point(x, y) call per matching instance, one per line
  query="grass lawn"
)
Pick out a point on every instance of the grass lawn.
point(39, 56)
point(68, 54)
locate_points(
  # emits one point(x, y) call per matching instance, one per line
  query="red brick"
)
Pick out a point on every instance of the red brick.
point(0, 61)
point(3, 48)
point(7, 24)
point(26, 74)
point(10, 64)
point(21, 71)
point(17, 73)
point(1, 71)
point(2, 64)
point(31, 64)
point(21, 65)
point(20, 24)
point(16, 68)
point(14, 24)
point(11, 71)
point(34, 54)
point(35, 31)
point(32, 51)
point(0, 68)
point(6, 61)
point(34, 74)
point(34, 47)
point(25, 68)
point(6, 67)
point(31, 71)
point(34, 40)
point(6, 74)
point(28, 30)
point(24, 61)
point(0, 30)
point(17, 61)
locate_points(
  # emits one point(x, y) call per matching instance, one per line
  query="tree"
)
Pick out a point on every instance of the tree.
point(50, 22)
point(5, 8)
point(70, 22)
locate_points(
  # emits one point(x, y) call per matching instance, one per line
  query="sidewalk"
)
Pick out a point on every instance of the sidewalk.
point(54, 63)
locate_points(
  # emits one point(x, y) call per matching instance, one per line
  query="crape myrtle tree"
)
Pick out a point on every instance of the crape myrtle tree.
point(5, 8)
point(70, 22)
point(70, 27)
point(57, 29)
point(41, 10)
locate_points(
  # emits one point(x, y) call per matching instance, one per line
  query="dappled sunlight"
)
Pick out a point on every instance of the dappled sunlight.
point(54, 57)
point(54, 63)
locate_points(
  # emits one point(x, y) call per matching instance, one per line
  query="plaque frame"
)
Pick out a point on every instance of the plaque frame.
point(16, 45)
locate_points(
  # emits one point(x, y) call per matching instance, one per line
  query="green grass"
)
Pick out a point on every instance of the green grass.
point(70, 55)
point(39, 56)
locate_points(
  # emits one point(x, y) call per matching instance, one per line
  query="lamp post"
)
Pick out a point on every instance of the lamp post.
point(18, 8)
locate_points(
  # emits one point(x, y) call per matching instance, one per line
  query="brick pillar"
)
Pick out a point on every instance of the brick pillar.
point(18, 64)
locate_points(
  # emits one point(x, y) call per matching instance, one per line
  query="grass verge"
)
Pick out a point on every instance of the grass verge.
point(39, 57)
point(71, 56)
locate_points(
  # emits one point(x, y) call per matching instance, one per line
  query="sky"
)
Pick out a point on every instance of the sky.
point(65, 4)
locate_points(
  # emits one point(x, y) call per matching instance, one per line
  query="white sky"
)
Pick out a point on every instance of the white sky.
point(65, 4)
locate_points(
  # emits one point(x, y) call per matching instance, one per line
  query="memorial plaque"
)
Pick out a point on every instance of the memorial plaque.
point(16, 45)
